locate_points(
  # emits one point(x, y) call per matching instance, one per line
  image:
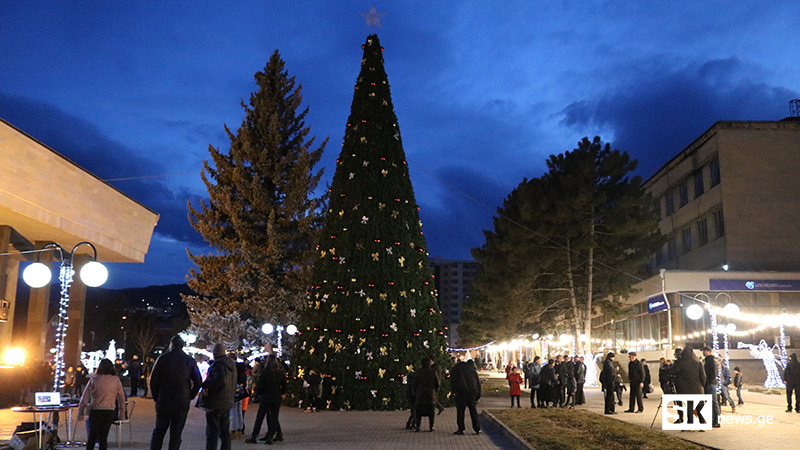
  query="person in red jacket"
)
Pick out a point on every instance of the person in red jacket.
point(514, 382)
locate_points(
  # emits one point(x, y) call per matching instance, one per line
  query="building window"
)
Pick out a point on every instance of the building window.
point(702, 232)
point(698, 184)
point(719, 224)
point(686, 240)
point(672, 248)
point(669, 201)
point(683, 190)
point(715, 177)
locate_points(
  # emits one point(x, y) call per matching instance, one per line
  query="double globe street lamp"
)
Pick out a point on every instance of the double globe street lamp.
point(268, 328)
point(38, 274)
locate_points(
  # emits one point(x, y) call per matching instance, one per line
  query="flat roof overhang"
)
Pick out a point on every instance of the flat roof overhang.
point(46, 197)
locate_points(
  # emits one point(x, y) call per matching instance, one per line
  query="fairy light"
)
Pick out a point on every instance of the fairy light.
point(65, 277)
point(764, 352)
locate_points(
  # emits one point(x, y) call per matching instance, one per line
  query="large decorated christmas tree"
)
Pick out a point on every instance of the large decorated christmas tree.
point(371, 313)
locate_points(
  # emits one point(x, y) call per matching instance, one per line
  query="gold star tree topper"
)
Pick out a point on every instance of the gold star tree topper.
point(372, 18)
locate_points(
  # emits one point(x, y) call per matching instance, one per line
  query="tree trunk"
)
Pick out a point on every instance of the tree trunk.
point(573, 298)
point(589, 287)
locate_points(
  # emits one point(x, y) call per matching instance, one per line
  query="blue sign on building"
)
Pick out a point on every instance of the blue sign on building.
point(754, 285)
point(656, 304)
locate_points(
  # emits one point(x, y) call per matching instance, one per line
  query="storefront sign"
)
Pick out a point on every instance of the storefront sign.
point(754, 285)
point(656, 304)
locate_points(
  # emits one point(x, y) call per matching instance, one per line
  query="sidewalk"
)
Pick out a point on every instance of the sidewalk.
point(326, 429)
point(780, 434)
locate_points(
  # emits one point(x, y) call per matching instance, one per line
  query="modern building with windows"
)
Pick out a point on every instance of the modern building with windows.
point(730, 212)
point(451, 280)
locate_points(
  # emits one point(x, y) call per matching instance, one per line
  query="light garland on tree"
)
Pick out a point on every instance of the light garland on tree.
point(65, 277)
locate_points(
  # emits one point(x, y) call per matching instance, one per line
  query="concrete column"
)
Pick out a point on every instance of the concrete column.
point(38, 323)
point(76, 313)
point(9, 270)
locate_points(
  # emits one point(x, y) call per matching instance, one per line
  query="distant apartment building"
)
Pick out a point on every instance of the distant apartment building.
point(452, 279)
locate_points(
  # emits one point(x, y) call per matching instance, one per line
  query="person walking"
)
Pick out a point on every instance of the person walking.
point(466, 385)
point(219, 390)
point(580, 380)
point(514, 382)
point(426, 387)
point(791, 376)
point(270, 388)
point(101, 396)
point(174, 382)
point(738, 382)
point(647, 380)
point(608, 376)
point(725, 376)
point(134, 373)
point(536, 372)
point(547, 383)
point(636, 379)
point(710, 367)
point(569, 383)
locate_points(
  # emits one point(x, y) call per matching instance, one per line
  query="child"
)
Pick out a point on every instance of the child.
point(619, 386)
point(738, 381)
point(514, 382)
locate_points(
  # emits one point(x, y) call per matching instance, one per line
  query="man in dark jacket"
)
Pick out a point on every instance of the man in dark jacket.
point(466, 385)
point(791, 376)
point(174, 382)
point(636, 378)
point(270, 387)
point(710, 367)
point(547, 384)
point(565, 373)
point(607, 377)
point(535, 369)
point(647, 379)
point(135, 373)
point(219, 390)
point(580, 380)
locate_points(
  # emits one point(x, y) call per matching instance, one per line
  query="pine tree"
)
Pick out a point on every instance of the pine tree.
point(261, 218)
point(371, 313)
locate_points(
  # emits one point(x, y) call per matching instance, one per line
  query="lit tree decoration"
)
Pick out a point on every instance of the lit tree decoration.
point(65, 277)
point(765, 353)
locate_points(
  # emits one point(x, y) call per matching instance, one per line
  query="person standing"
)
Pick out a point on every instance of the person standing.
point(102, 396)
point(791, 376)
point(313, 380)
point(647, 379)
point(270, 388)
point(514, 382)
point(135, 372)
point(174, 382)
point(466, 386)
point(725, 377)
point(536, 372)
point(547, 383)
point(710, 367)
point(636, 378)
point(738, 382)
point(219, 390)
point(426, 387)
point(608, 377)
point(526, 373)
point(580, 380)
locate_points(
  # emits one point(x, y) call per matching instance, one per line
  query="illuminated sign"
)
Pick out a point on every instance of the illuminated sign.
point(754, 285)
point(656, 304)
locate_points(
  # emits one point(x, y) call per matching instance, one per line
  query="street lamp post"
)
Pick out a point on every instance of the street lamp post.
point(37, 275)
point(268, 328)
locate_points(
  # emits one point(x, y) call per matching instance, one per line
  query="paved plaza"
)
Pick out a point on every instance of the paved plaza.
point(385, 430)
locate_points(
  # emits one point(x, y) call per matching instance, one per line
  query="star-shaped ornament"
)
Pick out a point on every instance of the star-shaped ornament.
point(372, 18)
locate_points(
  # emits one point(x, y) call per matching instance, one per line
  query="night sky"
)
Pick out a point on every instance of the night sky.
point(483, 91)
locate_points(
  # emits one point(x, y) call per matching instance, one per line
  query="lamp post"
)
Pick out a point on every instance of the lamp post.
point(37, 274)
point(268, 328)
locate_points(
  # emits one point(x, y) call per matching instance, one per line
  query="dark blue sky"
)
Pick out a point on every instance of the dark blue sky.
point(483, 91)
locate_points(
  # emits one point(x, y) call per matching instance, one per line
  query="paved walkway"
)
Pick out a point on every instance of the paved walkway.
point(326, 429)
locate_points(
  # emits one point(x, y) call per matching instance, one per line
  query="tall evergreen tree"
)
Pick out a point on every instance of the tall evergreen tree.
point(371, 313)
point(571, 243)
point(262, 218)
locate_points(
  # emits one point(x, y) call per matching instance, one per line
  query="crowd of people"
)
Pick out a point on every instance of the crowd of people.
point(557, 383)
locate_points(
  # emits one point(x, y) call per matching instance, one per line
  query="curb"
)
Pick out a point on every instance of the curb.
point(513, 438)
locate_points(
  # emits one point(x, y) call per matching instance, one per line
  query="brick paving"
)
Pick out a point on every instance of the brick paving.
point(326, 429)
point(385, 430)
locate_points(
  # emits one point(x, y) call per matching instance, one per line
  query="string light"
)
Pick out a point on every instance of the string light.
point(65, 277)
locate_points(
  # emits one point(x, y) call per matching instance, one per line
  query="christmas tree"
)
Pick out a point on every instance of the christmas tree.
point(261, 217)
point(371, 313)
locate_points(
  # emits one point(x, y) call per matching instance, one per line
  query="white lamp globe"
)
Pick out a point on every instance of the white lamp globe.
point(291, 329)
point(694, 312)
point(267, 328)
point(564, 338)
point(720, 329)
point(730, 328)
point(731, 309)
point(94, 274)
point(535, 336)
point(36, 275)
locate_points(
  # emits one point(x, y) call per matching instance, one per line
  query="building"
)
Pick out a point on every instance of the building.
point(451, 280)
point(729, 210)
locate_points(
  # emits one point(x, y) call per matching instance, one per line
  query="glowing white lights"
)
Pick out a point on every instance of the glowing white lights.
point(268, 328)
point(731, 309)
point(694, 312)
point(291, 329)
point(36, 275)
point(93, 274)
